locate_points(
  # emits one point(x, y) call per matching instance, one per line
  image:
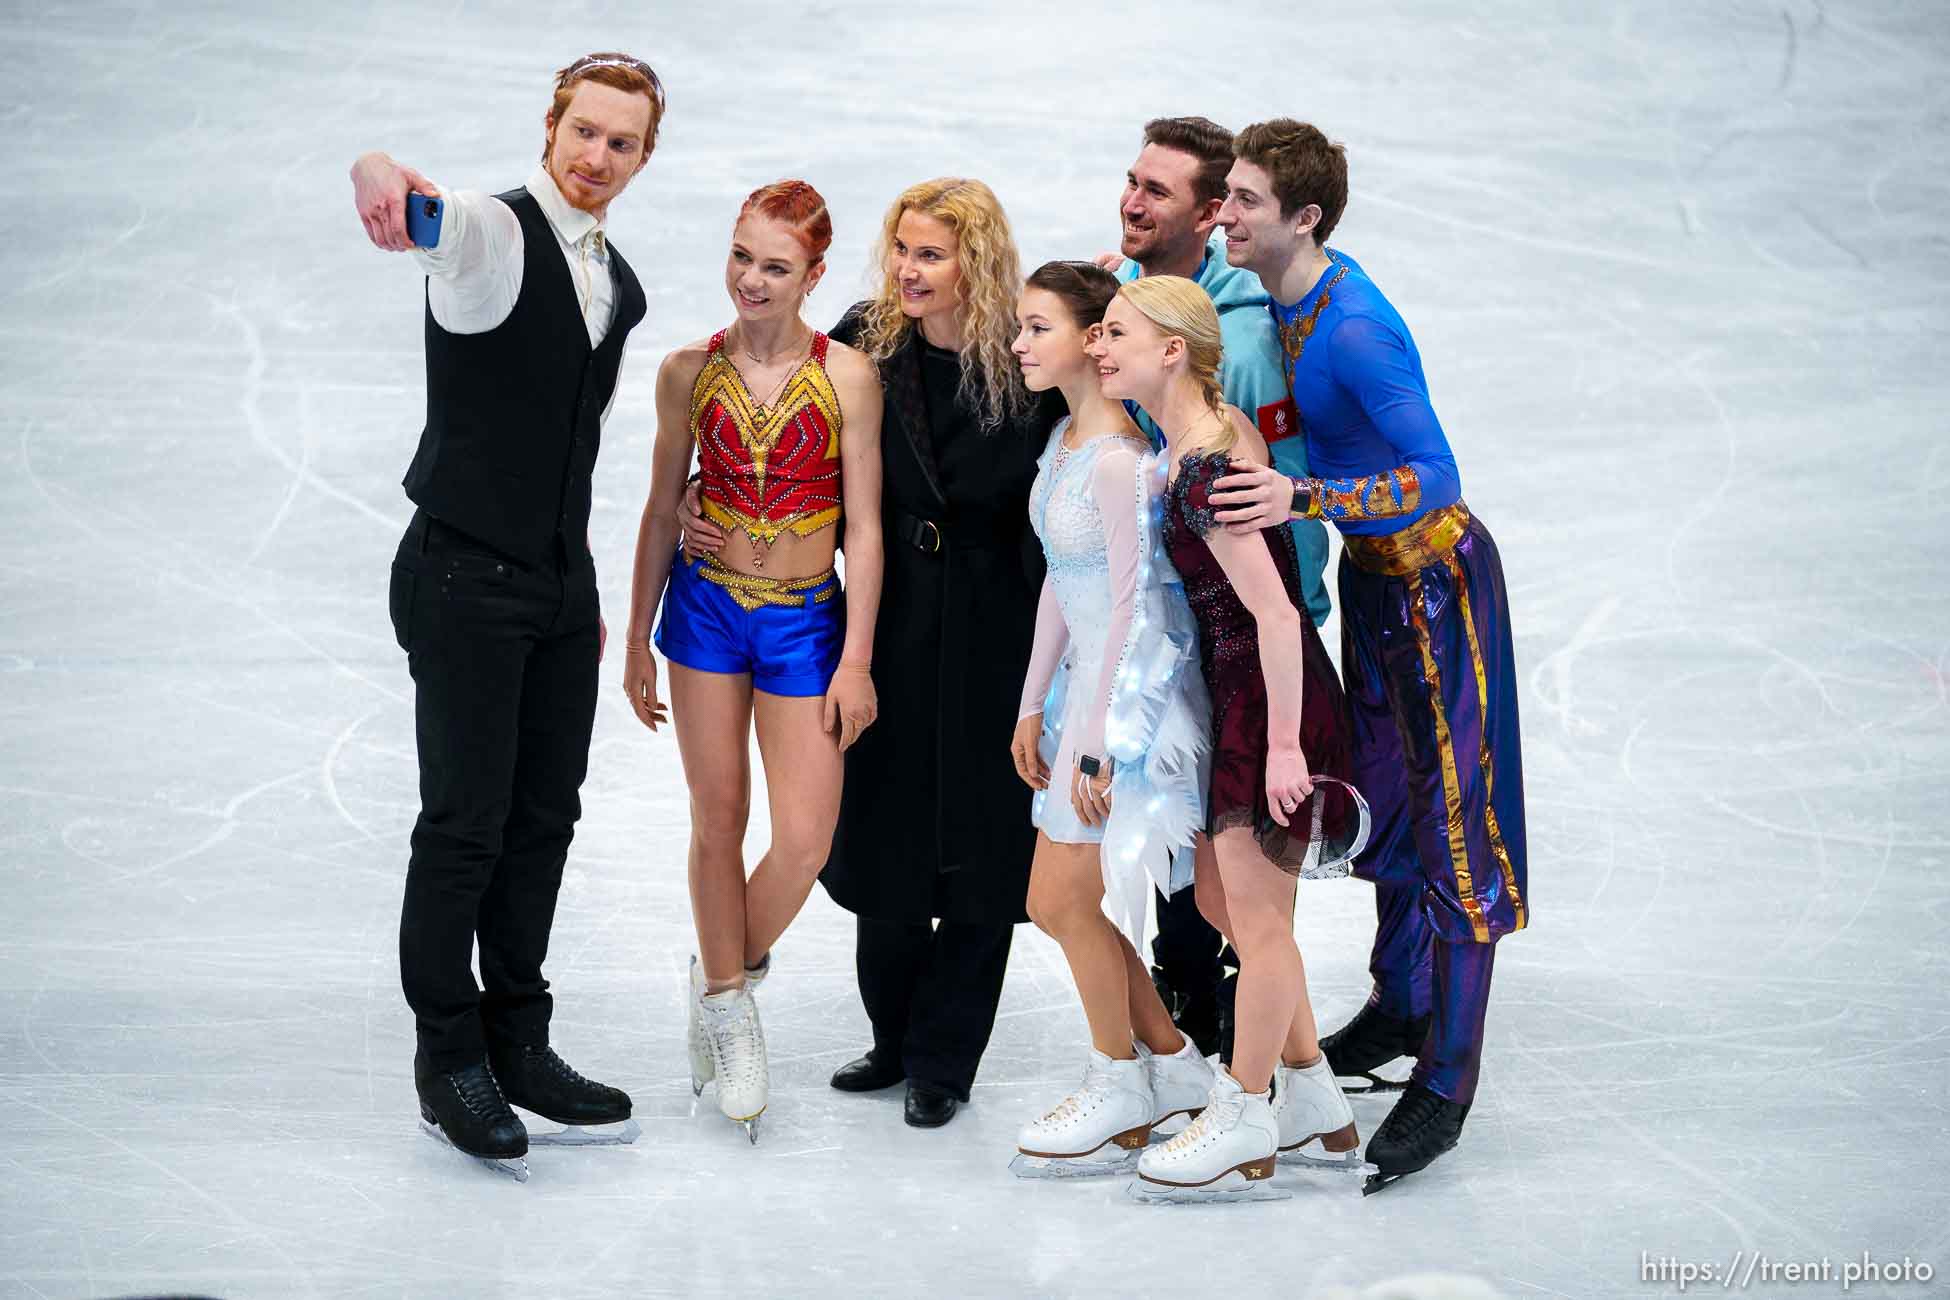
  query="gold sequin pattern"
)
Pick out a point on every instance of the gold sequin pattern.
point(750, 590)
point(1429, 540)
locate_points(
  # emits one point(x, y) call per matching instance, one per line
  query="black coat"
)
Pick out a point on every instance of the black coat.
point(933, 820)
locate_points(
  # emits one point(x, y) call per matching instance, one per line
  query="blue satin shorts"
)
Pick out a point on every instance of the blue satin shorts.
point(786, 633)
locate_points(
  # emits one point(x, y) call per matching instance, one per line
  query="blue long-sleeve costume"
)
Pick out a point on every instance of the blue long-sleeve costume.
point(1426, 656)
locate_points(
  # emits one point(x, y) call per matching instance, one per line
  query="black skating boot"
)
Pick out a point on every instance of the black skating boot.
point(467, 1109)
point(1195, 1013)
point(1420, 1127)
point(1227, 997)
point(1369, 1041)
point(536, 1079)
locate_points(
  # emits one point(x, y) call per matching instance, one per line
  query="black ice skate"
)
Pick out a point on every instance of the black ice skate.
point(1420, 1127)
point(464, 1109)
point(1196, 1015)
point(536, 1079)
point(1369, 1041)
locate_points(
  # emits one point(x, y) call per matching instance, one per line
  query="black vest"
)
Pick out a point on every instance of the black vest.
point(514, 415)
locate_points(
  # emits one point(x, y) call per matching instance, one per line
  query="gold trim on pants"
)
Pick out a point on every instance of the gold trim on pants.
point(1446, 752)
point(1503, 863)
point(750, 590)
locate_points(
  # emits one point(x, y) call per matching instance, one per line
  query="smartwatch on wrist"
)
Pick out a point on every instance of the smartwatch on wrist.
point(1305, 504)
point(1089, 764)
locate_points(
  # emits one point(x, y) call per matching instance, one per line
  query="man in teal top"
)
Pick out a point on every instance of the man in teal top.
point(1170, 208)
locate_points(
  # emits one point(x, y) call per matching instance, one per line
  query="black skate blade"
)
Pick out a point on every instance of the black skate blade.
point(589, 1135)
point(1368, 1085)
point(1378, 1180)
point(514, 1167)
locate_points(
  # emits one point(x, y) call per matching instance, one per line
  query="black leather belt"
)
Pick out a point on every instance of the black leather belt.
point(932, 538)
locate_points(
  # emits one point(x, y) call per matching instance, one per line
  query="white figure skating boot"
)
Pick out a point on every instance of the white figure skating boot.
point(1098, 1129)
point(1226, 1154)
point(736, 1043)
point(702, 1070)
point(1316, 1123)
point(1180, 1084)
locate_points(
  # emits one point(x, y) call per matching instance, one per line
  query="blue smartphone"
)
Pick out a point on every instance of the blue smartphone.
point(423, 219)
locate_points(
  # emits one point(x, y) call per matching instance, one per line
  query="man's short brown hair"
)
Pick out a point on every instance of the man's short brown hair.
point(1304, 166)
point(1204, 140)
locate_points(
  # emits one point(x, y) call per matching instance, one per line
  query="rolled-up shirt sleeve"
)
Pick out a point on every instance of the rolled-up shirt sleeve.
point(474, 272)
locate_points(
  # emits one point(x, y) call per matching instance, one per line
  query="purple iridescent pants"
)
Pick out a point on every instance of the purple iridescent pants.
point(1431, 681)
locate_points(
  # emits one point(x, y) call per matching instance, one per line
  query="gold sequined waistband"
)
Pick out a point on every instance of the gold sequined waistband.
point(1416, 547)
point(749, 590)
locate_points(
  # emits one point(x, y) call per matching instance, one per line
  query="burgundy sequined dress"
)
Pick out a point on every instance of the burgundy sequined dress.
point(1229, 650)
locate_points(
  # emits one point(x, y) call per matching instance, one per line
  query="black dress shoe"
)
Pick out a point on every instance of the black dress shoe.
point(928, 1106)
point(468, 1108)
point(535, 1078)
point(867, 1075)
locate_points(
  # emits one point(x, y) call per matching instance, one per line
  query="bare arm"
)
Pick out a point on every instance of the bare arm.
point(656, 538)
point(1249, 567)
point(860, 399)
point(851, 702)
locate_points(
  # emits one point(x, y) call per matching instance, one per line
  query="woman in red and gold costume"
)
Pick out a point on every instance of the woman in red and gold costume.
point(786, 425)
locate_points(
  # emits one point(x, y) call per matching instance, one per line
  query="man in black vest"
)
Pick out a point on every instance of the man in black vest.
point(494, 593)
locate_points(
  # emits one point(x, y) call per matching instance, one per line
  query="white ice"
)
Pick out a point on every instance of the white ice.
point(1678, 273)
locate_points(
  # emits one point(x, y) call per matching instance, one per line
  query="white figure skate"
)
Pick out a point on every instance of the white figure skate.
point(1180, 1084)
point(1227, 1154)
point(736, 1042)
point(702, 1070)
point(1098, 1129)
point(1316, 1123)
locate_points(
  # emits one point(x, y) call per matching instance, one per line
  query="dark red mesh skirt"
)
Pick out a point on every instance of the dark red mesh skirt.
point(1326, 831)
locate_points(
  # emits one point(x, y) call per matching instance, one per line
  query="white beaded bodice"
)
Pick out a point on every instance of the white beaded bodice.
point(1064, 511)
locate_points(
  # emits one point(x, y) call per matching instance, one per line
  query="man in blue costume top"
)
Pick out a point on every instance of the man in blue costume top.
point(1425, 639)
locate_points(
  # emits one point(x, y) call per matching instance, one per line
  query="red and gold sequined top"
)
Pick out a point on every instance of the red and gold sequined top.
point(767, 469)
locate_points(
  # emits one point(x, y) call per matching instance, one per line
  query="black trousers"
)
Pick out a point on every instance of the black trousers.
point(931, 990)
point(503, 657)
point(1187, 948)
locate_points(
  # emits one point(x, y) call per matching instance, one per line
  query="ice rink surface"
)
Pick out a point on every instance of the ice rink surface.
point(1678, 273)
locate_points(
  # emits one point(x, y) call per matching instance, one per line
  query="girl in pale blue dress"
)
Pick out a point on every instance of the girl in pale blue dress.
point(1113, 736)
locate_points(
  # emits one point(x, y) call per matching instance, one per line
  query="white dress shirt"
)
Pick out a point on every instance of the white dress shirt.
point(474, 272)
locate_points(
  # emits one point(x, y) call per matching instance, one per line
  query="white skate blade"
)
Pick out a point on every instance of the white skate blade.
point(589, 1135)
point(1108, 1159)
point(1233, 1186)
point(516, 1168)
